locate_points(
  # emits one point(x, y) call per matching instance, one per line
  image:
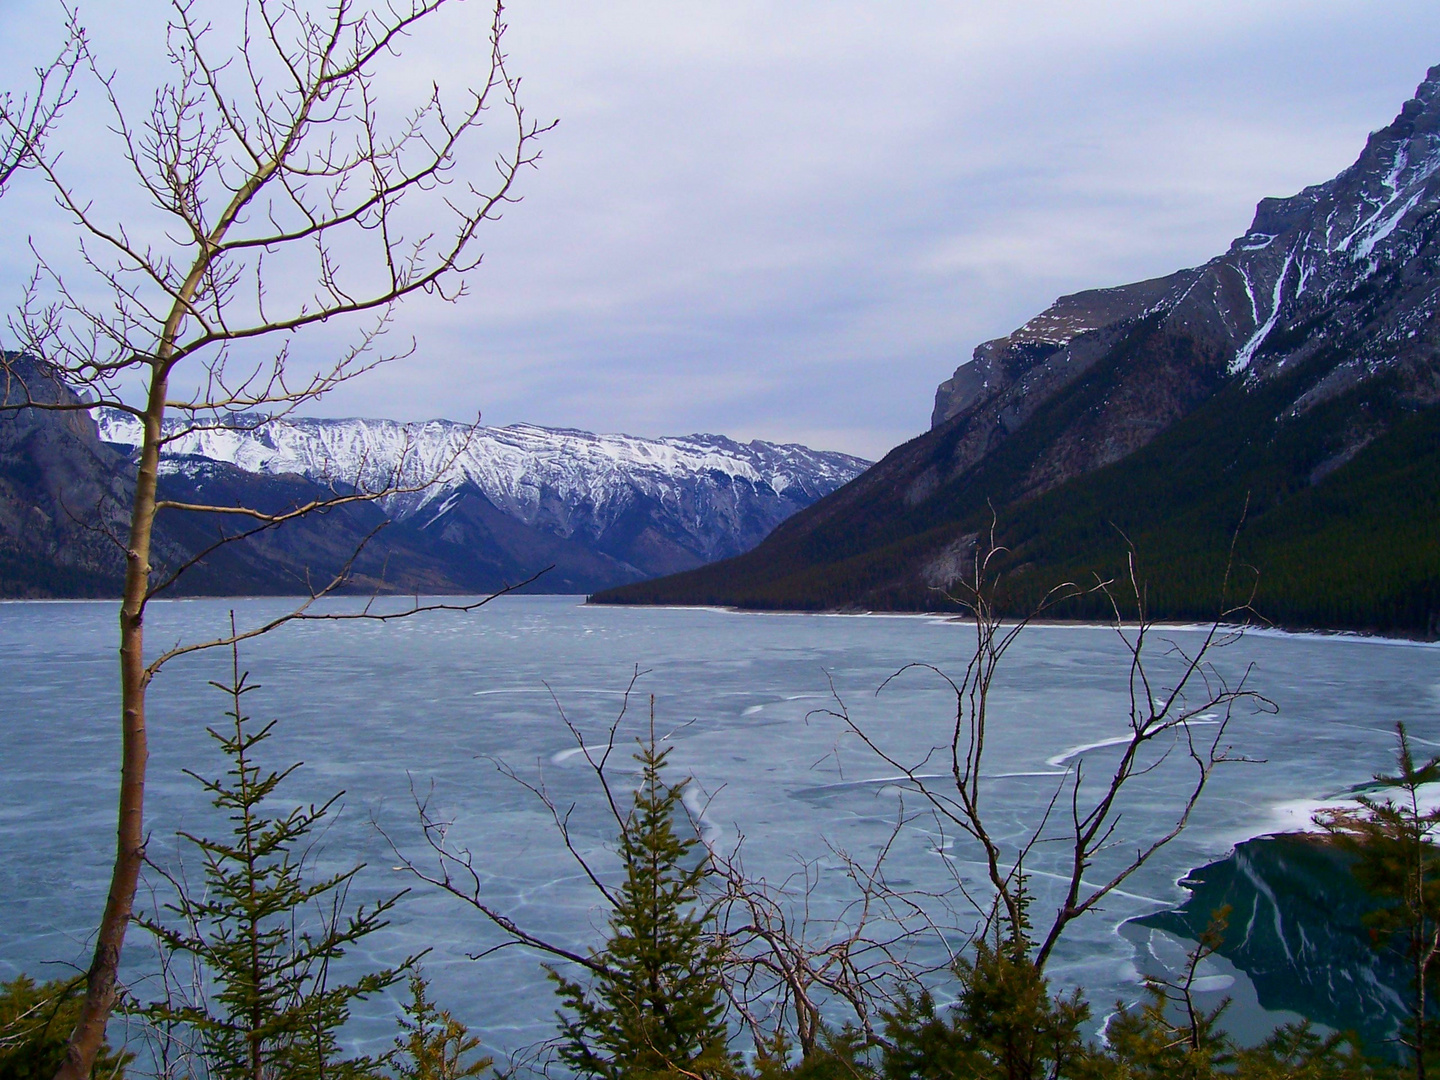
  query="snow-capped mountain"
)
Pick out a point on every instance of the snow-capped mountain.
point(568, 480)
point(605, 508)
point(1292, 381)
point(1353, 257)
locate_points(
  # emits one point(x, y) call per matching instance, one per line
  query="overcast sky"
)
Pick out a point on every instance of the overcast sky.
point(791, 220)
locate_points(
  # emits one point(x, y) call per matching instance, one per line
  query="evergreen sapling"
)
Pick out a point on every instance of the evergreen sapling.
point(264, 933)
point(657, 1007)
point(432, 1044)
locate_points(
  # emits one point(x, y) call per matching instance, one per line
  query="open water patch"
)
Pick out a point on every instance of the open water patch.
point(1296, 930)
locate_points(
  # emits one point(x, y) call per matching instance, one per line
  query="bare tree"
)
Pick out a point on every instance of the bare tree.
point(26, 120)
point(795, 963)
point(1184, 713)
point(792, 972)
point(282, 197)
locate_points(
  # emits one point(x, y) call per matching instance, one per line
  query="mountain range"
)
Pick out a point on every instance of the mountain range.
point(1282, 394)
point(468, 509)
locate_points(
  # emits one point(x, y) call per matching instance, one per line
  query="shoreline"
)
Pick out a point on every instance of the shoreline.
point(1376, 636)
point(1395, 637)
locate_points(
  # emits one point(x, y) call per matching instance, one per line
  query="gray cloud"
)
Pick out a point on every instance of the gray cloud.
point(792, 220)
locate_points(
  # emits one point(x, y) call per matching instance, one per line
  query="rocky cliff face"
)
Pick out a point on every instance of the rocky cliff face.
point(1348, 263)
point(1259, 379)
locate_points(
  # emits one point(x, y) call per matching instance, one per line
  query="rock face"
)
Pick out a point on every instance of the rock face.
point(1316, 330)
point(471, 509)
point(62, 493)
point(1067, 337)
point(1350, 261)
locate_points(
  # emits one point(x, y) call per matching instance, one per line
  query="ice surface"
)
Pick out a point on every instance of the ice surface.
point(428, 705)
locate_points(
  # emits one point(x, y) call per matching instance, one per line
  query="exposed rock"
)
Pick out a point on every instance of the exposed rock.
point(1352, 260)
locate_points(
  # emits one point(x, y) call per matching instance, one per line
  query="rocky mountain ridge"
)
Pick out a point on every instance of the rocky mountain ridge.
point(565, 481)
point(1307, 274)
point(462, 509)
point(1259, 379)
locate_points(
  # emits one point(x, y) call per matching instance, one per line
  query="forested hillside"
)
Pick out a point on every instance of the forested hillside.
point(1289, 384)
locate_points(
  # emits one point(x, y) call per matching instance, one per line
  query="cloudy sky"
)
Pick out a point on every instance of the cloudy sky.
point(791, 220)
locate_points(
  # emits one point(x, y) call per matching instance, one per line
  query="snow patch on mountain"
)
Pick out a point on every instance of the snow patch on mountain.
point(559, 478)
point(1345, 264)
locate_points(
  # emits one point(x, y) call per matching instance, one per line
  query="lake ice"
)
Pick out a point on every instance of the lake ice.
point(435, 701)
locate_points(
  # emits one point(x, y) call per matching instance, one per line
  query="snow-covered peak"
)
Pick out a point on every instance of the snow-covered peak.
point(530, 472)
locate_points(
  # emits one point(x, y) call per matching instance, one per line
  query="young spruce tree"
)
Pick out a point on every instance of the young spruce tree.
point(1398, 862)
point(657, 1009)
point(1006, 1024)
point(263, 932)
point(432, 1044)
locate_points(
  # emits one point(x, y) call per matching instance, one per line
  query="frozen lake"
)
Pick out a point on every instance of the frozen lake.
point(437, 699)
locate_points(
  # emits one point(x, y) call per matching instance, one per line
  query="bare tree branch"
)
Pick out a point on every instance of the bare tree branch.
point(1161, 720)
point(26, 121)
point(278, 201)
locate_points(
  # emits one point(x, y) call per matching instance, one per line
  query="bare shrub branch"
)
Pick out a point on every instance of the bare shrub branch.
point(1161, 721)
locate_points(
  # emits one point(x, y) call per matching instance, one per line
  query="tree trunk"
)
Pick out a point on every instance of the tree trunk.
point(89, 1032)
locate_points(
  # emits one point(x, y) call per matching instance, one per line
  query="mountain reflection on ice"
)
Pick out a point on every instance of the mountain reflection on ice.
point(431, 704)
point(1296, 930)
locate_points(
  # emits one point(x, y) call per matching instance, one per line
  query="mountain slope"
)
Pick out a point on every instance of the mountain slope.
point(1297, 368)
point(496, 504)
point(472, 509)
point(55, 473)
point(64, 506)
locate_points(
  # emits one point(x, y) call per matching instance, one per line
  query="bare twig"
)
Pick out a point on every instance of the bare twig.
point(263, 164)
point(1161, 720)
point(26, 121)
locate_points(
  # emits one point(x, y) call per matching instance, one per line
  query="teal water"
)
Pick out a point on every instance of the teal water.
point(1295, 928)
point(431, 704)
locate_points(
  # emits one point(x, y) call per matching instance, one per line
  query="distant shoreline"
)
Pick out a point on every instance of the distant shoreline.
point(1388, 637)
point(1377, 637)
